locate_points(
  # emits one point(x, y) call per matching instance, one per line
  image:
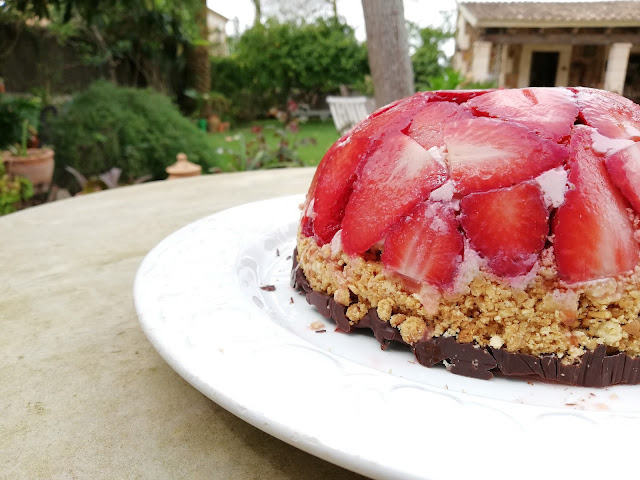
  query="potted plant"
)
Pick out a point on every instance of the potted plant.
point(35, 164)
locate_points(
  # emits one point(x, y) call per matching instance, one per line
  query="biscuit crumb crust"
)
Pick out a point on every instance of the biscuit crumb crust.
point(541, 316)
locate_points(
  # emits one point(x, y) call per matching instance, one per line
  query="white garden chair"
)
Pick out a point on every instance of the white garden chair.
point(347, 111)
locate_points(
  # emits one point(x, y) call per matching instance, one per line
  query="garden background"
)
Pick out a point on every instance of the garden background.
point(127, 85)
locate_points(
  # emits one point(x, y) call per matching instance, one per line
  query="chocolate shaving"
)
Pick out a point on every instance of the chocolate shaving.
point(596, 368)
point(320, 331)
point(268, 288)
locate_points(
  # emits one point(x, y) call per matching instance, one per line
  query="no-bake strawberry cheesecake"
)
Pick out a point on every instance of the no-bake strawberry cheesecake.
point(495, 231)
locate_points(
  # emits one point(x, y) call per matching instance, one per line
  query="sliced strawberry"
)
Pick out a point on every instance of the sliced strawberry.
point(549, 111)
point(332, 186)
point(624, 171)
point(456, 96)
point(508, 227)
point(485, 154)
point(428, 123)
point(593, 233)
point(427, 246)
point(387, 107)
point(398, 175)
point(612, 115)
point(333, 182)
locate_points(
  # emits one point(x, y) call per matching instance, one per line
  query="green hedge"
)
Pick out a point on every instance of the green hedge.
point(139, 131)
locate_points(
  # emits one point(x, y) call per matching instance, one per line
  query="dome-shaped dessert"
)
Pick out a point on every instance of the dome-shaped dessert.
point(493, 229)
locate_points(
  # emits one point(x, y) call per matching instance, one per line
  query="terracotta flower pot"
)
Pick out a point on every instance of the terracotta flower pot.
point(37, 166)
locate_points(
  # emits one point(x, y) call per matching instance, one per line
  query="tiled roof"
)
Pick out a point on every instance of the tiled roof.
point(496, 14)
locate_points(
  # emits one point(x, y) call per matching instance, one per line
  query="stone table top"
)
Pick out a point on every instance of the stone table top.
point(84, 394)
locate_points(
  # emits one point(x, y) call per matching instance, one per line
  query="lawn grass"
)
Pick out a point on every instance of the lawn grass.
point(324, 133)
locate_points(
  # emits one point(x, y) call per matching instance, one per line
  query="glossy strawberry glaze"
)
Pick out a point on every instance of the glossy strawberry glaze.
point(506, 172)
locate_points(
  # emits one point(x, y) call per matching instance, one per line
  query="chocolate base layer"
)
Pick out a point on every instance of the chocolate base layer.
point(596, 368)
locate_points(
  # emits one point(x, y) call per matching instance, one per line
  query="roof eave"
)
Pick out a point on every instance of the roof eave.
point(551, 24)
point(217, 14)
point(466, 13)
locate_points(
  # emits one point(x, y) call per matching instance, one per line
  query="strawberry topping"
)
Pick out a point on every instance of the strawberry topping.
point(398, 175)
point(332, 186)
point(428, 124)
point(485, 148)
point(624, 171)
point(593, 233)
point(508, 227)
point(485, 154)
point(333, 182)
point(612, 115)
point(455, 96)
point(427, 246)
point(550, 111)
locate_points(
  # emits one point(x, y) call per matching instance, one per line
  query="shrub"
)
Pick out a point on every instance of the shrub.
point(276, 62)
point(231, 79)
point(138, 131)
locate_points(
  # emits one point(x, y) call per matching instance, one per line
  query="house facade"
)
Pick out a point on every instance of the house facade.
point(518, 44)
point(217, 27)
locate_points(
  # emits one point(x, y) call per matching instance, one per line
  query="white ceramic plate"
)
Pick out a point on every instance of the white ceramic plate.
point(341, 397)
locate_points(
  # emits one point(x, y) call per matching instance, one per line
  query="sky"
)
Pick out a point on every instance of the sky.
point(423, 12)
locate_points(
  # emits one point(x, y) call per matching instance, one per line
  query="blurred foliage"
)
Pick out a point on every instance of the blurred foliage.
point(148, 39)
point(228, 144)
point(254, 151)
point(276, 62)
point(228, 78)
point(480, 85)
point(14, 111)
point(448, 79)
point(451, 79)
point(13, 191)
point(48, 8)
point(216, 102)
point(137, 130)
point(364, 86)
point(429, 60)
point(431, 67)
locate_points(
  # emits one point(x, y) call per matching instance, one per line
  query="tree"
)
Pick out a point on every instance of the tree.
point(199, 66)
point(146, 37)
point(257, 20)
point(68, 8)
point(334, 7)
point(388, 49)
